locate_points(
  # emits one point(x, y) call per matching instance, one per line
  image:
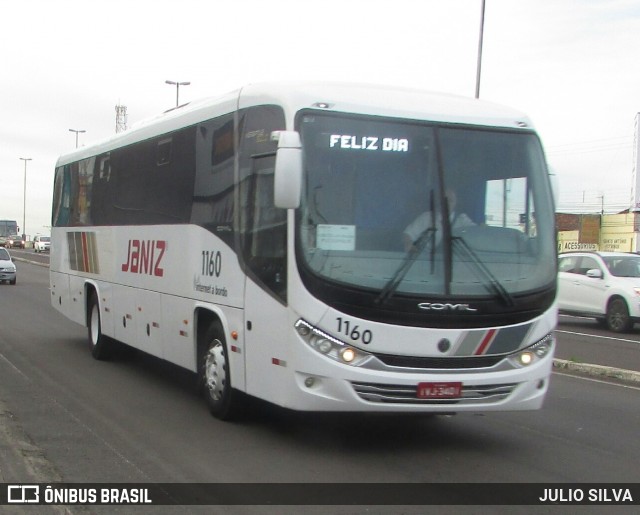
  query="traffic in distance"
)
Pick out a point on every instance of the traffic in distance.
point(10, 241)
point(8, 233)
point(317, 247)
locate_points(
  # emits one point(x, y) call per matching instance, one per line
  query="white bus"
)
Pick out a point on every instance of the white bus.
point(262, 241)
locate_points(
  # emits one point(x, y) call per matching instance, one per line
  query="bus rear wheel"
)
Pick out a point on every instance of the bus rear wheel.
point(214, 376)
point(101, 345)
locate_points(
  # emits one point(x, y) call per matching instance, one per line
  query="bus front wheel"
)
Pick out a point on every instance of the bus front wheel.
point(214, 376)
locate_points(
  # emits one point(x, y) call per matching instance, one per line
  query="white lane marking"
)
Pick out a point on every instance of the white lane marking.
point(597, 336)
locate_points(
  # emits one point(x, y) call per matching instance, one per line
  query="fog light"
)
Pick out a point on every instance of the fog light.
point(309, 382)
point(348, 355)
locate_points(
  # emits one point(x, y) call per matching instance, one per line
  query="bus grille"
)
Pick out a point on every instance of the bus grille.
point(406, 394)
point(438, 362)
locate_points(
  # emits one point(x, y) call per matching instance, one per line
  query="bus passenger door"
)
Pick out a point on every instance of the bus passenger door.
point(264, 252)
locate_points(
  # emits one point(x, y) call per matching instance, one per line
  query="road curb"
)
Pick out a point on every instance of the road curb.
point(25, 260)
point(597, 371)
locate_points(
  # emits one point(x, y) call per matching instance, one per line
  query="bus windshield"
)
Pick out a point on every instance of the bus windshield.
point(8, 227)
point(404, 208)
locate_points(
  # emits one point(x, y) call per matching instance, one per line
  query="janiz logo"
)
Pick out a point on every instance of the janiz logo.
point(145, 257)
point(446, 307)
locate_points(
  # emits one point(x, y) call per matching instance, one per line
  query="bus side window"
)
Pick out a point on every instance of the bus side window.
point(214, 189)
point(266, 231)
point(263, 228)
point(61, 197)
point(163, 151)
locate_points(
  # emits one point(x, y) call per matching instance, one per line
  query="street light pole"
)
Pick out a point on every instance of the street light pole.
point(177, 85)
point(77, 131)
point(24, 199)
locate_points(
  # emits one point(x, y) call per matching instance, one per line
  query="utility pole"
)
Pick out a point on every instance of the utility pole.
point(24, 199)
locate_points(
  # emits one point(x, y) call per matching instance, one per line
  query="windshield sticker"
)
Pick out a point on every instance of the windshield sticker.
point(351, 142)
point(336, 237)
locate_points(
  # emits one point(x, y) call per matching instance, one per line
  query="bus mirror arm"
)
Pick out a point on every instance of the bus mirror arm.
point(288, 170)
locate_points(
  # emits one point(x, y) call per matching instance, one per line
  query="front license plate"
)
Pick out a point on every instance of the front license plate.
point(439, 390)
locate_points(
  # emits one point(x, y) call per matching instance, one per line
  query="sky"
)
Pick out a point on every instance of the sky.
point(571, 65)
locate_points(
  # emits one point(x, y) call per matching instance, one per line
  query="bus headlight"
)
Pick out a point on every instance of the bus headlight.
point(533, 353)
point(329, 346)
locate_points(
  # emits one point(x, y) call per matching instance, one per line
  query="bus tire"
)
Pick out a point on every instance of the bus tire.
point(101, 345)
point(213, 374)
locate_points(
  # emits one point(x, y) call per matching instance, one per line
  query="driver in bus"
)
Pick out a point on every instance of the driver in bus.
point(423, 222)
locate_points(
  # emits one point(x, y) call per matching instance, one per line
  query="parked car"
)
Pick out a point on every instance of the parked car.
point(15, 242)
point(7, 267)
point(41, 243)
point(602, 285)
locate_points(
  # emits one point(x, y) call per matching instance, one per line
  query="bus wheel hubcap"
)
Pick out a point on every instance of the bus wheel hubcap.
point(215, 375)
point(95, 325)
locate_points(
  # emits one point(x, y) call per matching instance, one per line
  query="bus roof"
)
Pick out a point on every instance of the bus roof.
point(378, 100)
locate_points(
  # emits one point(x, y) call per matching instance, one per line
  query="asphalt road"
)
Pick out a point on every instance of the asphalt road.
point(137, 419)
point(583, 340)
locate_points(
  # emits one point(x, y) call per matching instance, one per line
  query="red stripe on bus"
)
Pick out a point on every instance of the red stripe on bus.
point(486, 341)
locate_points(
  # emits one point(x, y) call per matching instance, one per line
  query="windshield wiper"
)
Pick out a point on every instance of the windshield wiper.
point(451, 243)
point(414, 251)
point(490, 281)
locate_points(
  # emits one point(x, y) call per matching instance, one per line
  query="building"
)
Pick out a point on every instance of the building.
point(612, 232)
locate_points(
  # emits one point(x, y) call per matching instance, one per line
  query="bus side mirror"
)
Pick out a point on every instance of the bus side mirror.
point(288, 171)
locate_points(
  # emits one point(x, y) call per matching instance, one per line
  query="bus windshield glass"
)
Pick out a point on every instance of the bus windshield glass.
point(408, 208)
point(8, 227)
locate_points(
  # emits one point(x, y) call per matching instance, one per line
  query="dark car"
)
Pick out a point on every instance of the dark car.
point(15, 242)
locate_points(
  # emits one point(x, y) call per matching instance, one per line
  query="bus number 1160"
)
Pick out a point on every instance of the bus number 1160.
point(211, 263)
point(353, 331)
